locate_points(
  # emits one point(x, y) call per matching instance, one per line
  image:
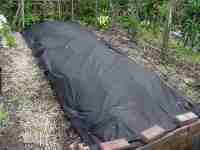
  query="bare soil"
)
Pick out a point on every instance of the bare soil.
point(36, 121)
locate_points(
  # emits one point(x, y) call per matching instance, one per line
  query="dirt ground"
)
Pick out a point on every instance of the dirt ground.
point(36, 121)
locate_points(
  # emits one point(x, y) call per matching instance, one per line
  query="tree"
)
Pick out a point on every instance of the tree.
point(191, 23)
point(22, 13)
point(166, 32)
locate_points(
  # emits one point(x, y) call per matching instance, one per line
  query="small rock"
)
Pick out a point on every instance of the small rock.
point(177, 35)
point(125, 38)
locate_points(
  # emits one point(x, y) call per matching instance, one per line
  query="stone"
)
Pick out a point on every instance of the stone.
point(187, 118)
point(152, 133)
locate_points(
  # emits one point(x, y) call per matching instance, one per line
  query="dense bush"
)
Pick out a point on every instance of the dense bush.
point(191, 23)
point(6, 34)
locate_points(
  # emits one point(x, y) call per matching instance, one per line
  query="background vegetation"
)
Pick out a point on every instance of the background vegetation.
point(148, 21)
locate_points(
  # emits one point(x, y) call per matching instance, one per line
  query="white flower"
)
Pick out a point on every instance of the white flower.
point(3, 20)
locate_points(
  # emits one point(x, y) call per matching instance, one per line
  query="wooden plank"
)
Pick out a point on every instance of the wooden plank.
point(180, 139)
point(115, 145)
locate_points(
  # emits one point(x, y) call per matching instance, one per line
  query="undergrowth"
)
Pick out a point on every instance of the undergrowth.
point(142, 32)
point(3, 116)
point(5, 32)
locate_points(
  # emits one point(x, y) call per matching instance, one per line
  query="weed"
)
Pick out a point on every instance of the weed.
point(3, 116)
point(188, 55)
point(5, 32)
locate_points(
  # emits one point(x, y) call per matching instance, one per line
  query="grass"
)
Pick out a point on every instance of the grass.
point(153, 36)
point(3, 115)
point(188, 55)
point(181, 52)
point(184, 53)
point(5, 32)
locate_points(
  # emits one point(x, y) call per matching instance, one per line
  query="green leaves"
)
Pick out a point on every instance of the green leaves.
point(131, 23)
point(191, 22)
point(103, 22)
point(3, 116)
point(5, 32)
point(194, 5)
point(30, 19)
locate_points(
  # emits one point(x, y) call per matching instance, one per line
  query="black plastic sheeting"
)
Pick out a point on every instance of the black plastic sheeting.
point(105, 95)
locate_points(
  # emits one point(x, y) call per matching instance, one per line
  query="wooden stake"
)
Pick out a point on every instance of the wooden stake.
point(167, 29)
point(1, 93)
point(22, 13)
point(59, 9)
point(97, 7)
point(17, 14)
point(72, 10)
point(0, 81)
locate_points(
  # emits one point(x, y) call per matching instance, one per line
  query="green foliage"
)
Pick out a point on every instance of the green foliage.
point(191, 22)
point(143, 19)
point(192, 31)
point(89, 20)
point(5, 32)
point(131, 23)
point(103, 22)
point(121, 4)
point(162, 11)
point(3, 116)
point(30, 17)
point(188, 55)
point(86, 11)
point(8, 8)
point(10, 41)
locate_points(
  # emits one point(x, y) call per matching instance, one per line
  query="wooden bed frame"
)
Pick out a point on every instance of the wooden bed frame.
point(179, 139)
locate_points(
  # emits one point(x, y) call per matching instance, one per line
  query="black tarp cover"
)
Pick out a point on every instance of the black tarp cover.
point(105, 95)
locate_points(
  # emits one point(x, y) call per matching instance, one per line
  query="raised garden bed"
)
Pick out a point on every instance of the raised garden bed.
point(184, 138)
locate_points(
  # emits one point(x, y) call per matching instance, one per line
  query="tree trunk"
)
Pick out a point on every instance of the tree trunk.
point(59, 9)
point(166, 32)
point(22, 13)
point(111, 8)
point(17, 14)
point(72, 10)
point(96, 9)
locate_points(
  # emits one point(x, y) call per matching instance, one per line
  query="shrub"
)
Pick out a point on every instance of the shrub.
point(5, 32)
point(131, 23)
point(103, 22)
